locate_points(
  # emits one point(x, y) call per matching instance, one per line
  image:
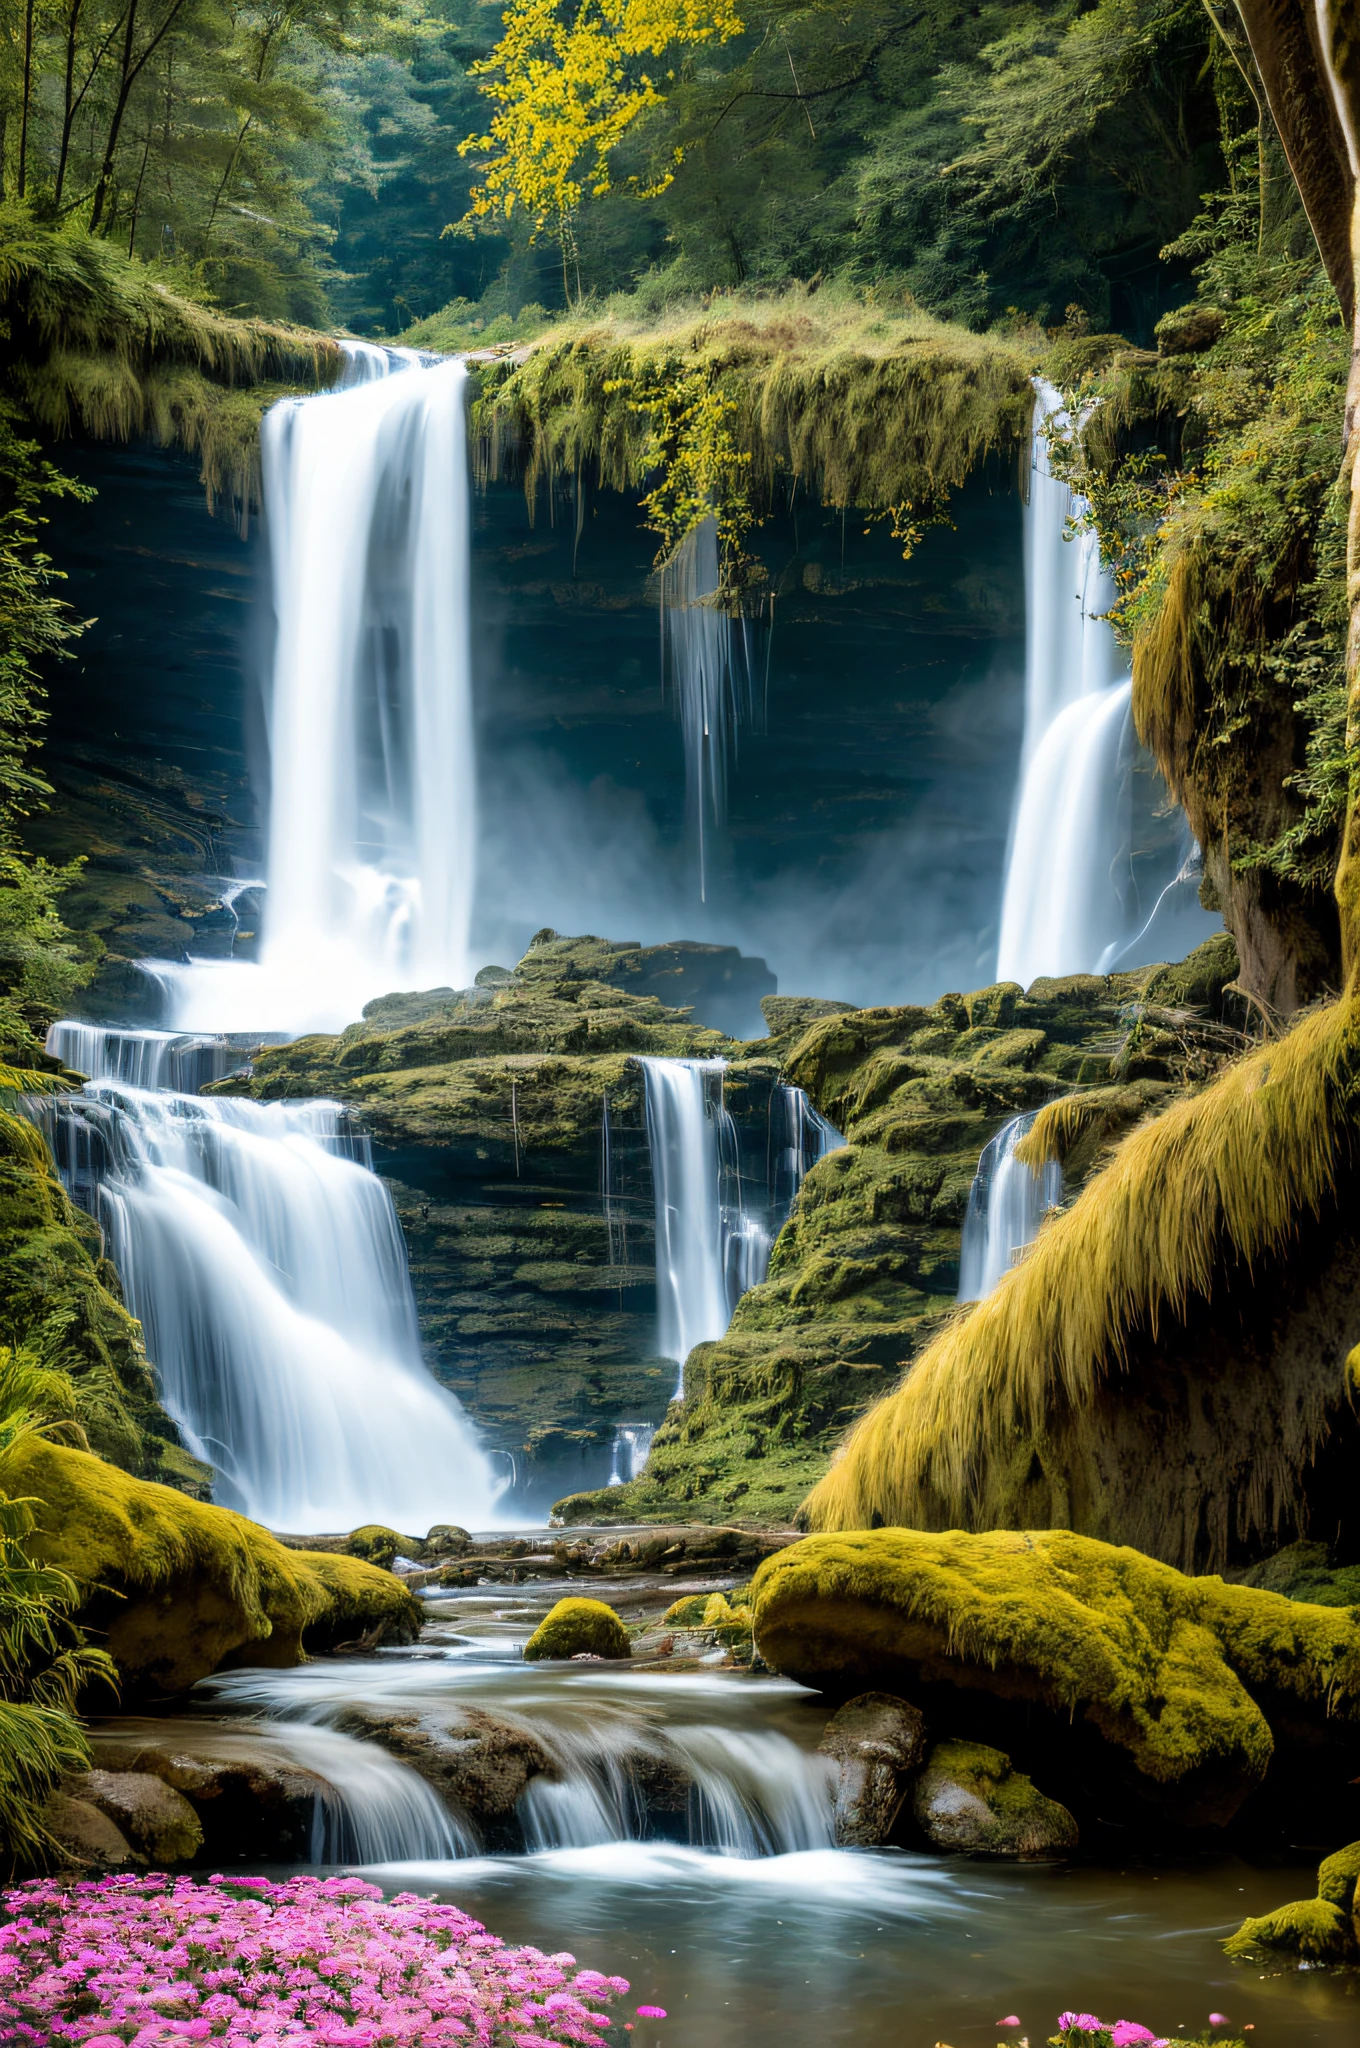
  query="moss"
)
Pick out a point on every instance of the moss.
point(1021, 1821)
point(1303, 1571)
point(98, 345)
point(58, 1298)
point(1312, 1929)
point(378, 1545)
point(1164, 1669)
point(1215, 1187)
point(578, 1628)
point(176, 1587)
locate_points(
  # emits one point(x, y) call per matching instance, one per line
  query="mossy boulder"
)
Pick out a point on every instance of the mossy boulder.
point(176, 1587)
point(379, 1545)
point(971, 1799)
point(1164, 1681)
point(1321, 1930)
point(578, 1628)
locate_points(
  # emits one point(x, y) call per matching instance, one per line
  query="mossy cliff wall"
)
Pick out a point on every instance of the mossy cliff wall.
point(1173, 1365)
point(866, 1271)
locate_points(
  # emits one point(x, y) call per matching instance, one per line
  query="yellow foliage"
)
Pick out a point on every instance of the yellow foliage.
point(568, 85)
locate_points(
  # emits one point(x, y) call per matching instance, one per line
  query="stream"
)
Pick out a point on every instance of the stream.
point(736, 1914)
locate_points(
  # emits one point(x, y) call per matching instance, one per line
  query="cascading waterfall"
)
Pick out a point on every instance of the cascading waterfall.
point(711, 671)
point(631, 1449)
point(148, 1059)
point(369, 706)
point(266, 1266)
point(1006, 1204)
point(1073, 901)
point(713, 1239)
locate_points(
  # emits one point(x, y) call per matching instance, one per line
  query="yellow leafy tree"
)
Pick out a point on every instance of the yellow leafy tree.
point(568, 80)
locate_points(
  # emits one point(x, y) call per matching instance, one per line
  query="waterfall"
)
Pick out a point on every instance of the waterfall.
point(148, 1059)
point(709, 658)
point(713, 1237)
point(369, 705)
point(1072, 900)
point(684, 1103)
point(1006, 1204)
point(266, 1266)
point(631, 1449)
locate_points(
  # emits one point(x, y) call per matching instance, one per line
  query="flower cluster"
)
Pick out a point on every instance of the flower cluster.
point(1085, 2030)
point(158, 1962)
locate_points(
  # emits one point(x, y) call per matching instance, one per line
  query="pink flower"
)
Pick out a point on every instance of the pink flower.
point(1011, 2020)
point(1218, 2019)
point(651, 2012)
point(1128, 2034)
point(1080, 2022)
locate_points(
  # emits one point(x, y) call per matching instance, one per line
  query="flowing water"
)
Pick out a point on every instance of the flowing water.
point(1080, 896)
point(372, 788)
point(733, 1910)
point(266, 1266)
point(631, 1449)
point(715, 1223)
point(1006, 1204)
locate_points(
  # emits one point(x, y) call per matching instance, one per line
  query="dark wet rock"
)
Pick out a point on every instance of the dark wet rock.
point(157, 1820)
point(879, 1742)
point(253, 1807)
point(87, 1838)
point(477, 1763)
point(971, 1798)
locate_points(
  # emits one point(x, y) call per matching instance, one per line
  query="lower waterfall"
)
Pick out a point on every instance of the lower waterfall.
point(1006, 1204)
point(266, 1266)
point(715, 1226)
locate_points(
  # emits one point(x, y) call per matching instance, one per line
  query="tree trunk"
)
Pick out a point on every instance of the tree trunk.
point(21, 184)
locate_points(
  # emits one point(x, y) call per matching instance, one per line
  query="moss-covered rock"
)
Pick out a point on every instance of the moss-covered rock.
point(1321, 1930)
point(379, 1545)
point(1304, 1571)
point(175, 1587)
point(866, 1270)
point(1167, 1680)
point(578, 1628)
point(971, 1799)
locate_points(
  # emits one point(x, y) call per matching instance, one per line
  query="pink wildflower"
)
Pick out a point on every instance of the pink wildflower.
point(1128, 2034)
point(1080, 2022)
point(651, 2012)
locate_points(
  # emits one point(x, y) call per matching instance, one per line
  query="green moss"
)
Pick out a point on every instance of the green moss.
point(58, 1297)
point(175, 1587)
point(1313, 1929)
point(1303, 1571)
point(378, 1545)
point(578, 1628)
point(1024, 1822)
point(1162, 1667)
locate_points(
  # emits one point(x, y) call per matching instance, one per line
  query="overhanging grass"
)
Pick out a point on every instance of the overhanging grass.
point(1216, 1185)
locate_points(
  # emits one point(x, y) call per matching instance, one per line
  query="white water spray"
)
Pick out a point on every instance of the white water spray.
point(372, 790)
point(1006, 1204)
point(267, 1269)
point(1072, 900)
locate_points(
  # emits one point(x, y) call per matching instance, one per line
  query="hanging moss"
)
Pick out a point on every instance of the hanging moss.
point(1001, 1422)
point(94, 341)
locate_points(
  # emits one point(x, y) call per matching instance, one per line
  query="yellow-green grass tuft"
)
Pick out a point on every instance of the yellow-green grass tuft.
point(578, 1628)
point(175, 1587)
point(1213, 1187)
point(1164, 1668)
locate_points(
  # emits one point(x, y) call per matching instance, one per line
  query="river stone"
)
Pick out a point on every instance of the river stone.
point(971, 1798)
point(578, 1628)
point(156, 1819)
point(479, 1765)
point(251, 1809)
point(85, 1835)
point(879, 1742)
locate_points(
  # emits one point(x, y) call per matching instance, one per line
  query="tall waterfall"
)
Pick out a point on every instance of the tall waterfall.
point(369, 706)
point(1074, 900)
point(1006, 1204)
point(715, 1227)
point(710, 670)
point(266, 1266)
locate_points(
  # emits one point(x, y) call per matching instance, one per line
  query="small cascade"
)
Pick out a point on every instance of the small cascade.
point(369, 704)
point(625, 1765)
point(715, 1224)
point(181, 1060)
point(684, 1105)
point(711, 670)
point(1082, 890)
point(631, 1450)
point(267, 1268)
point(1006, 1204)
